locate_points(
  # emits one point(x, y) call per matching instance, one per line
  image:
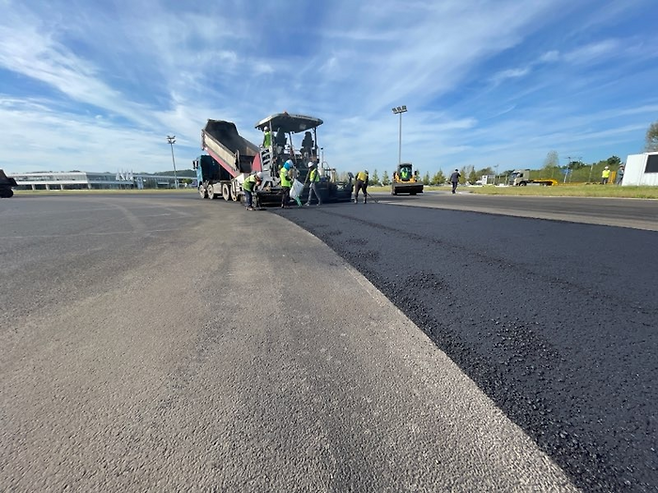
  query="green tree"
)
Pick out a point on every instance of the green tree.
point(438, 179)
point(385, 179)
point(426, 178)
point(652, 138)
point(576, 165)
point(374, 179)
point(463, 174)
point(484, 171)
point(472, 176)
point(552, 160)
point(613, 161)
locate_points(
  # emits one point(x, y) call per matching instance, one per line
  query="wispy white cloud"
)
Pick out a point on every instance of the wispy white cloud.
point(593, 52)
point(480, 77)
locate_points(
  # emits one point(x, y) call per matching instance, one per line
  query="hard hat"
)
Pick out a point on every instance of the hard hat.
point(311, 164)
point(606, 167)
point(365, 171)
point(259, 175)
point(287, 164)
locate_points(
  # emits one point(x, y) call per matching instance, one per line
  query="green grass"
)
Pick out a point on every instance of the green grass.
point(579, 190)
point(591, 190)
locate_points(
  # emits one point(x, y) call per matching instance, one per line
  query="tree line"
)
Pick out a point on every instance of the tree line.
point(574, 170)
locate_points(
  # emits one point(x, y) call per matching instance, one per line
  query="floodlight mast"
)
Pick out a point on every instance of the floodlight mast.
point(398, 110)
point(172, 140)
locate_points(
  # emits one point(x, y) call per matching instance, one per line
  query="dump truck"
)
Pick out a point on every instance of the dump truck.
point(6, 183)
point(521, 178)
point(231, 158)
point(405, 180)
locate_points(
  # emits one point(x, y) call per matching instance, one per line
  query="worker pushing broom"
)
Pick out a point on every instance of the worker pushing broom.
point(361, 184)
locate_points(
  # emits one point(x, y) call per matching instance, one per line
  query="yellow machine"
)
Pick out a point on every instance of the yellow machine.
point(406, 181)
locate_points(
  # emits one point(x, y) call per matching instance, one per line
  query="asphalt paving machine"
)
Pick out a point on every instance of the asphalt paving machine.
point(231, 159)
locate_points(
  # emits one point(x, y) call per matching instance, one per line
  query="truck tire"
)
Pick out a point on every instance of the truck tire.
point(211, 192)
point(202, 192)
point(226, 192)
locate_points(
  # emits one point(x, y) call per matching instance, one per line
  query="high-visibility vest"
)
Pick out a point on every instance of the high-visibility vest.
point(362, 176)
point(606, 173)
point(314, 177)
point(248, 184)
point(267, 139)
point(285, 179)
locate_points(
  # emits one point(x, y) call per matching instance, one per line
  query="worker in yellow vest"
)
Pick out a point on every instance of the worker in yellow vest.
point(286, 182)
point(267, 138)
point(314, 180)
point(361, 184)
point(249, 187)
point(605, 176)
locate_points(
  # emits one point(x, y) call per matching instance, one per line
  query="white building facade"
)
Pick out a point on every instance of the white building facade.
point(83, 180)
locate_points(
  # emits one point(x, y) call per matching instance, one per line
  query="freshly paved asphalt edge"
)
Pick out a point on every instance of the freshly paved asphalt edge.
point(555, 321)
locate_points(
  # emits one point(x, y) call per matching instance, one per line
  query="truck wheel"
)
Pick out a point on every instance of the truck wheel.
point(202, 192)
point(523, 183)
point(211, 192)
point(226, 192)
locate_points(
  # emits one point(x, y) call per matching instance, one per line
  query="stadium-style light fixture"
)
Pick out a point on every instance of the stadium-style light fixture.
point(172, 140)
point(398, 110)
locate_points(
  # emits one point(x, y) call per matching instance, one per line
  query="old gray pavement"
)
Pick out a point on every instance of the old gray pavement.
point(166, 343)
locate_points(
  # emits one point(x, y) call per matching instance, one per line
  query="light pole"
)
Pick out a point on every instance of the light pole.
point(398, 111)
point(172, 140)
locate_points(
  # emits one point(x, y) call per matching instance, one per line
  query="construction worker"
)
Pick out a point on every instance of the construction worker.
point(361, 184)
point(286, 182)
point(249, 187)
point(605, 176)
point(404, 173)
point(620, 175)
point(307, 144)
point(314, 180)
point(454, 179)
point(267, 138)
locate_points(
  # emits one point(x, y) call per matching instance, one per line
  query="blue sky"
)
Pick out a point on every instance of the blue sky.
point(98, 85)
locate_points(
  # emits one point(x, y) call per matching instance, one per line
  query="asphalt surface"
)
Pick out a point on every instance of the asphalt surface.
point(556, 322)
point(164, 343)
point(168, 343)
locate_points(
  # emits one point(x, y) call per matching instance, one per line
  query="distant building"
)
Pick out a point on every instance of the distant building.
point(83, 180)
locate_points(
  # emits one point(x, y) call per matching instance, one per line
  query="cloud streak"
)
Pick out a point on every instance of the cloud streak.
point(485, 81)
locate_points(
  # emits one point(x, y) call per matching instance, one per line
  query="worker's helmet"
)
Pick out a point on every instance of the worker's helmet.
point(456, 169)
point(365, 171)
point(311, 164)
point(606, 167)
point(266, 128)
point(259, 175)
point(287, 164)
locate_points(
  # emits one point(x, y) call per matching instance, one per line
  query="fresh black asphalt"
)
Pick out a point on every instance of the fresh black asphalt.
point(557, 322)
